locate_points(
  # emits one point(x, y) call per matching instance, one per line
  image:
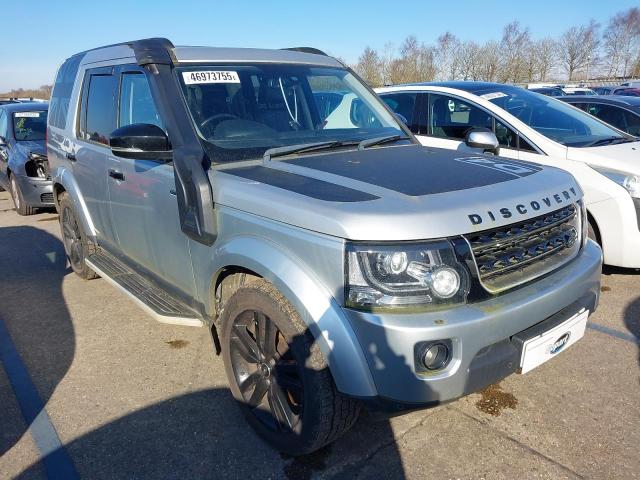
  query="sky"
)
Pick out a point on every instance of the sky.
point(39, 34)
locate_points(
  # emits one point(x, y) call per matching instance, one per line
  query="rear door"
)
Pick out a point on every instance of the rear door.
point(142, 193)
point(91, 153)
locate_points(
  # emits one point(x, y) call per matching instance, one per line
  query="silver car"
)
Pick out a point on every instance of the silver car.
point(271, 197)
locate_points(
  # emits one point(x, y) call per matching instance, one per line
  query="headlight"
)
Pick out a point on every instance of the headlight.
point(412, 274)
point(629, 181)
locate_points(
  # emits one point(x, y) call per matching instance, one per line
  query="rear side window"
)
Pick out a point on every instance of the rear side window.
point(98, 118)
point(61, 95)
point(136, 102)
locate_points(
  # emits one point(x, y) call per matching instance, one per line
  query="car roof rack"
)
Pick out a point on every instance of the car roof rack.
point(315, 51)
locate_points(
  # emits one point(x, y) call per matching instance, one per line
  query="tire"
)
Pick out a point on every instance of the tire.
point(592, 233)
point(299, 409)
point(18, 200)
point(76, 245)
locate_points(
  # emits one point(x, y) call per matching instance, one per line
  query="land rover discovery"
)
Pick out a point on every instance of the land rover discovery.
point(271, 197)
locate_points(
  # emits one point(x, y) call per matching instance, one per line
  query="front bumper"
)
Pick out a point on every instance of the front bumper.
point(482, 336)
point(36, 192)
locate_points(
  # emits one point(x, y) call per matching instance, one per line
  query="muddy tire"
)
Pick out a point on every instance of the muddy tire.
point(18, 200)
point(76, 245)
point(277, 373)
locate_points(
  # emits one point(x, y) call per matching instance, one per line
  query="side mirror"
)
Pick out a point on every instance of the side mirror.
point(141, 141)
point(482, 138)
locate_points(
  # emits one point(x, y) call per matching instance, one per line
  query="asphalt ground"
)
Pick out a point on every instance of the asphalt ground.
point(96, 389)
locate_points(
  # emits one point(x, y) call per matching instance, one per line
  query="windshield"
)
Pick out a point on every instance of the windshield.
point(241, 111)
point(553, 118)
point(29, 125)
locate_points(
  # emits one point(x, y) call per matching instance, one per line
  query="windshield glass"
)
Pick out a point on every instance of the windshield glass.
point(243, 110)
point(552, 118)
point(29, 125)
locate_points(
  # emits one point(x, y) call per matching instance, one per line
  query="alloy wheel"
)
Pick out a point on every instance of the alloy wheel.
point(266, 372)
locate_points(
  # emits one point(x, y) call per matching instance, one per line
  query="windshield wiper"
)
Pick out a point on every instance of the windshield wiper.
point(370, 142)
point(301, 148)
point(608, 141)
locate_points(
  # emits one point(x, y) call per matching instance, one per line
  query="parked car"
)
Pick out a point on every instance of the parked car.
point(578, 91)
point(617, 90)
point(529, 126)
point(620, 111)
point(549, 91)
point(631, 83)
point(342, 263)
point(24, 170)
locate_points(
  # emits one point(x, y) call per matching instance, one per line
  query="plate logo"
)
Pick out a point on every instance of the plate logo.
point(560, 343)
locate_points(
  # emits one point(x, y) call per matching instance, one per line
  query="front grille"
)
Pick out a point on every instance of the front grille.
point(46, 198)
point(512, 255)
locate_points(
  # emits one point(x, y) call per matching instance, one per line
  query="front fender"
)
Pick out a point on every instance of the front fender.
point(62, 177)
point(315, 304)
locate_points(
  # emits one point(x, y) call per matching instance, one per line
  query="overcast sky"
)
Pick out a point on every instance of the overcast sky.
point(38, 35)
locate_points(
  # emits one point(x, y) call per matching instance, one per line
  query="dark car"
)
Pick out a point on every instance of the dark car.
point(24, 169)
point(617, 90)
point(623, 112)
point(549, 91)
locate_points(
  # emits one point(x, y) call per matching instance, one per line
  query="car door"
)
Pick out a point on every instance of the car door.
point(144, 208)
point(90, 153)
point(449, 118)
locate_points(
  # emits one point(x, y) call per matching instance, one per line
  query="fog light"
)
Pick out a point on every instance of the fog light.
point(435, 356)
point(445, 282)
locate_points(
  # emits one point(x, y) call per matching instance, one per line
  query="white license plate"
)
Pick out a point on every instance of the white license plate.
point(538, 350)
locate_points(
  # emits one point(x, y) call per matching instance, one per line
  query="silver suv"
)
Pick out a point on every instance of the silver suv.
point(270, 197)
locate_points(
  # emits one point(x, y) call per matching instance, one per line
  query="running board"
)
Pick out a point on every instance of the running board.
point(153, 300)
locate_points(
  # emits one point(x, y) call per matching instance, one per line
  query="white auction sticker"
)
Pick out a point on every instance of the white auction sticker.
point(26, 114)
point(210, 76)
point(494, 95)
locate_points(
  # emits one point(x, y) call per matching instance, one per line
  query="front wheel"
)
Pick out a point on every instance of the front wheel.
point(277, 373)
point(18, 201)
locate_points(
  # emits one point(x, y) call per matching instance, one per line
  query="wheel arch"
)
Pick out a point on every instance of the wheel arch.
point(314, 303)
point(65, 182)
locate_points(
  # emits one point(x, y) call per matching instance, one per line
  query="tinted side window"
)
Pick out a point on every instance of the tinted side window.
point(403, 104)
point(506, 137)
point(610, 114)
point(61, 95)
point(99, 118)
point(450, 117)
point(3, 124)
point(525, 146)
point(136, 102)
point(633, 123)
point(581, 106)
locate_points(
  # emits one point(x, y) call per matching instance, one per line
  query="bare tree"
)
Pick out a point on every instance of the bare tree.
point(546, 58)
point(369, 67)
point(579, 49)
point(490, 60)
point(468, 58)
point(621, 42)
point(447, 66)
point(515, 47)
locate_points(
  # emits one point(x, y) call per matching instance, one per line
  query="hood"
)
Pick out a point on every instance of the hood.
point(32, 146)
point(394, 193)
point(624, 157)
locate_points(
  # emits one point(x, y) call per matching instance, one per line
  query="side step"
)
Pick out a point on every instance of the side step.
point(155, 301)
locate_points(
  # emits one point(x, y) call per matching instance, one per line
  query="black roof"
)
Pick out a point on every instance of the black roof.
point(621, 100)
point(469, 86)
point(25, 107)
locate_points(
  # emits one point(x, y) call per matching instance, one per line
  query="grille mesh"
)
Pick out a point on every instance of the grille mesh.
point(517, 253)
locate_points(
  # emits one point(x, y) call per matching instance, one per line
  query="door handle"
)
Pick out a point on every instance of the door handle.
point(117, 175)
point(71, 157)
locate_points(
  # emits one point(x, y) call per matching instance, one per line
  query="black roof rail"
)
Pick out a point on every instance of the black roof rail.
point(315, 51)
point(146, 50)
